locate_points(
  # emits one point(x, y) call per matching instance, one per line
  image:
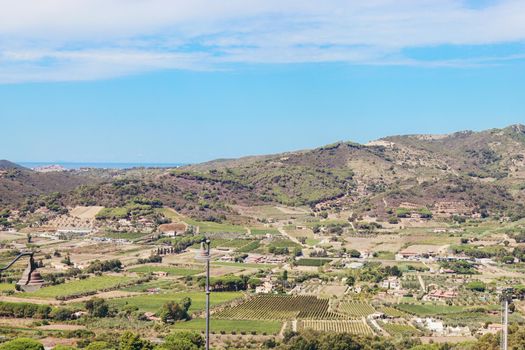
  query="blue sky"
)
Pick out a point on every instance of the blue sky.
point(169, 81)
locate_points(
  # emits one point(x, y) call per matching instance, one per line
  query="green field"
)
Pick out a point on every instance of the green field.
point(395, 329)
point(228, 326)
point(204, 226)
point(430, 309)
point(245, 265)
point(171, 270)
point(4, 287)
point(153, 302)
point(283, 243)
point(87, 285)
point(312, 262)
point(264, 231)
point(131, 236)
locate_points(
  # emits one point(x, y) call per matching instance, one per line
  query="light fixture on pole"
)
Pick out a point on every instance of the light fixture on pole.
point(31, 279)
point(204, 254)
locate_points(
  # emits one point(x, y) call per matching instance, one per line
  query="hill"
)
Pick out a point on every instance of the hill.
point(6, 165)
point(19, 184)
point(470, 173)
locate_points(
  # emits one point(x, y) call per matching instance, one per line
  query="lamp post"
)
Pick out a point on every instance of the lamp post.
point(204, 254)
point(31, 279)
point(506, 298)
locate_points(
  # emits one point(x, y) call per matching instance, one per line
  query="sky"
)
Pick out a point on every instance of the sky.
point(188, 81)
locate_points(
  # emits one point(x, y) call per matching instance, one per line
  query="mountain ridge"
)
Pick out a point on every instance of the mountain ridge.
point(482, 172)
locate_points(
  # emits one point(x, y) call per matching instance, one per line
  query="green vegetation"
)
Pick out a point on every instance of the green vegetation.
point(312, 262)
point(154, 302)
point(229, 326)
point(170, 270)
point(79, 287)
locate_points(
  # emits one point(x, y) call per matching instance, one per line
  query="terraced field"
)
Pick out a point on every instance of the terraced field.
point(339, 326)
point(280, 307)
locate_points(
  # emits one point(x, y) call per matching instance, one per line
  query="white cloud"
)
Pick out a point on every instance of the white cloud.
point(42, 40)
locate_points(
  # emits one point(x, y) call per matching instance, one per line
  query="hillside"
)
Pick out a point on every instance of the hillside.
point(465, 172)
point(18, 184)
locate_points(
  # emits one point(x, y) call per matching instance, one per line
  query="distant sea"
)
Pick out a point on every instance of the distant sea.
point(68, 165)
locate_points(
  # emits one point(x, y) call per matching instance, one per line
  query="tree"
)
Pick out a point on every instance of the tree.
point(355, 253)
point(477, 286)
point(130, 341)
point(183, 341)
point(172, 311)
point(97, 307)
point(350, 281)
point(22, 344)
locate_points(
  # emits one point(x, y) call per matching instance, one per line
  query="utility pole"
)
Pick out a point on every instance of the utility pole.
point(205, 255)
point(506, 297)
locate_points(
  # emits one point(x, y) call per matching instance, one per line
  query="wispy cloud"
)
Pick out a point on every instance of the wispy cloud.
point(60, 40)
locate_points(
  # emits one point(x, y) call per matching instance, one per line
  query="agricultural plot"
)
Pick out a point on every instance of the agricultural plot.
point(4, 287)
point(398, 329)
point(78, 287)
point(228, 243)
point(356, 309)
point(312, 262)
point(283, 243)
point(253, 245)
point(130, 236)
point(204, 226)
point(280, 307)
point(170, 270)
point(430, 309)
point(339, 326)
point(392, 312)
point(265, 231)
point(154, 302)
point(229, 326)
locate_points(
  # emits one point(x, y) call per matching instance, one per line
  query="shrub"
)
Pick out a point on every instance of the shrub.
point(22, 344)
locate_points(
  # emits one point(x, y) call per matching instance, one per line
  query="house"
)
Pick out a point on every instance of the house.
point(391, 283)
point(265, 288)
point(440, 294)
point(173, 229)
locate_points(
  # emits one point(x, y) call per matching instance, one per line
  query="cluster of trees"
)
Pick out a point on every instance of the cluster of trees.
point(373, 272)
point(329, 341)
point(226, 283)
point(172, 312)
point(154, 258)
point(24, 310)
point(4, 216)
point(459, 266)
point(104, 266)
point(179, 244)
point(127, 341)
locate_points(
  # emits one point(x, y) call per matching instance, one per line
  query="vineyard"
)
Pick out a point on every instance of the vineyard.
point(285, 307)
point(395, 329)
point(392, 312)
point(355, 308)
point(339, 326)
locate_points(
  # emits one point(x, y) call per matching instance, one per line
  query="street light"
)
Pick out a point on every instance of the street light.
point(204, 254)
point(31, 279)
